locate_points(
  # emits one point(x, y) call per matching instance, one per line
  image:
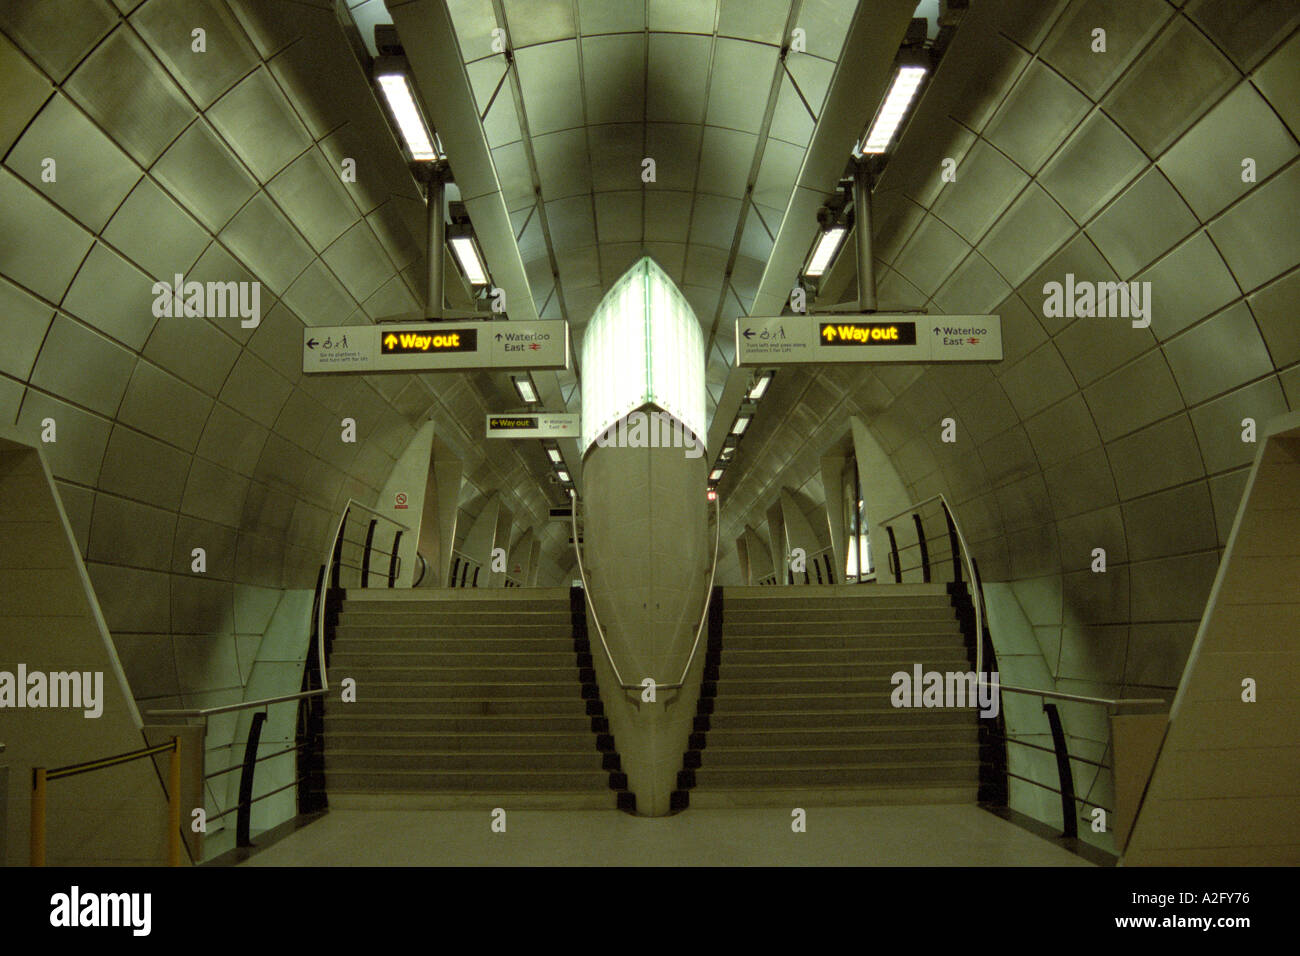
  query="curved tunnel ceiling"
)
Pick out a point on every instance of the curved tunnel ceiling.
point(1091, 433)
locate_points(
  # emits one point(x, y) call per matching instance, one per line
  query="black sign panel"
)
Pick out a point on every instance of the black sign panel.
point(431, 342)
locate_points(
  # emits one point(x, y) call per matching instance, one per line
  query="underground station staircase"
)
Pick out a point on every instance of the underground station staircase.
point(796, 707)
point(483, 698)
point(467, 698)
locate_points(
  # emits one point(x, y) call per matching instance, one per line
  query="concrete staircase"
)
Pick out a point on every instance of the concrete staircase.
point(466, 698)
point(796, 707)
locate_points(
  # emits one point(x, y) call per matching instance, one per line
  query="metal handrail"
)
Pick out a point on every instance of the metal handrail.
point(1078, 698)
point(976, 587)
point(325, 578)
point(600, 631)
point(229, 708)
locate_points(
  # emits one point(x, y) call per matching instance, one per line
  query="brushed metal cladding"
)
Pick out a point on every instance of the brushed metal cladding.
point(646, 551)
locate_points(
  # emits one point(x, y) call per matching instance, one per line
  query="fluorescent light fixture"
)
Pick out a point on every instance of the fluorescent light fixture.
point(555, 455)
point(726, 453)
point(824, 252)
point(466, 250)
point(760, 387)
point(564, 475)
point(524, 386)
point(397, 91)
point(715, 474)
point(742, 423)
point(906, 82)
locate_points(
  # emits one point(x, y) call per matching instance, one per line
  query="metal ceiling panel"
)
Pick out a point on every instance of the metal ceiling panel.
point(675, 149)
point(572, 223)
point(1147, 219)
point(739, 68)
point(256, 119)
point(261, 234)
point(974, 288)
point(194, 351)
point(92, 176)
point(678, 79)
point(1096, 162)
point(762, 21)
point(1193, 281)
point(538, 21)
point(613, 77)
point(986, 183)
point(167, 26)
point(930, 255)
point(200, 171)
point(392, 298)
point(1153, 110)
point(562, 164)
point(616, 152)
point(144, 469)
point(163, 406)
point(114, 296)
point(313, 196)
point(1279, 80)
point(359, 261)
point(516, 181)
point(791, 121)
point(318, 298)
point(1031, 229)
point(579, 266)
point(83, 366)
point(682, 16)
point(552, 93)
point(26, 88)
point(1205, 165)
point(155, 232)
point(713, 222)
point(618, 217)
point(1245, 32)
point(1257, 236)
point(725, 161)
point(391, 222)
point(57, 33)
point(131, 97)
point(601, 16)
point(1129, 26)
point(667, 216)
point(26, 322)
point(1039, 112)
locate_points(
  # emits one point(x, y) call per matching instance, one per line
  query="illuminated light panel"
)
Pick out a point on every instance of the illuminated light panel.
point(740, 426)
point(824, 254)
point(760, 387)
point(525, 389)
point(715, 474)
point(467, 254)
point(564, 476)
point(895, 108)
point(555, 455)
point(397, 90)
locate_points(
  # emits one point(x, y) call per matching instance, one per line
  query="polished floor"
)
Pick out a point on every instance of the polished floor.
point(948, 835)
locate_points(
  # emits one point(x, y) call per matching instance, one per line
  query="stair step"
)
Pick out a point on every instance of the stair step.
point(946, 648)
point(838, 736)
point(354, 643)
point(838, 614)
point(354, 656)
point(734, 700)
point(817, 670)
point(342, 723)
point(736, 688)
point(878, 755)
point(452, 615)
point(800, 719)
point(383, 740)
point(376, 673)
point(461, 761)
point(443, 690)
point(413, 625)
point(567, 706)
point(802, 629)
point(884, 774)
point(717, 797)
point(467, 781)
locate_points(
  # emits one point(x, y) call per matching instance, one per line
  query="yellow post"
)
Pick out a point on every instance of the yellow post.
point(38, 817)
point(174, 806)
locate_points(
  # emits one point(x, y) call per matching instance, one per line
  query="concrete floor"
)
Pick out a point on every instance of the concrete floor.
point(946, 835)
